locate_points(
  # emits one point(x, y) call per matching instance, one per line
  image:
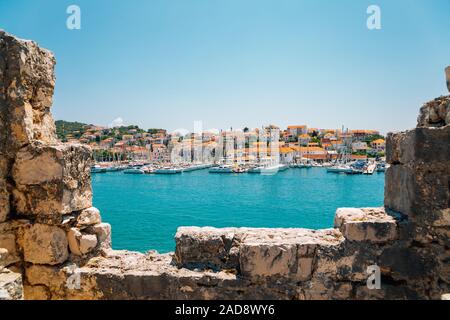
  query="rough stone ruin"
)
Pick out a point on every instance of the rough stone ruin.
point(53, 244)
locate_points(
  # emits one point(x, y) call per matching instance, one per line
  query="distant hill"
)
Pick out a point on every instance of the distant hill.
point(64, 128)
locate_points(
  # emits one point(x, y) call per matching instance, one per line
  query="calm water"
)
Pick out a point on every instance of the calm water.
point(145, 210)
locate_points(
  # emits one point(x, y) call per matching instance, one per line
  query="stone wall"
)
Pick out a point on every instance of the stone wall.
point(53, 244)
point(46, 214)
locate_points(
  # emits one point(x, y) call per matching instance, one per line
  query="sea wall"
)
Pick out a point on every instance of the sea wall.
point(53, 244)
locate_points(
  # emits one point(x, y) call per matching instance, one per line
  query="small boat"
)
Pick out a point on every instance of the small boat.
point(268, 169)
point(272, 169)
point(98, 169)
point(358, 167)
point(222, 169)
point(168, 170)
point(304, 165)
point(381, 167)
point(148, 170)
point(340, 169)
point(256, 169)
point(355, 171)
point(239, 170)
point(134, 171)
point(196, 167)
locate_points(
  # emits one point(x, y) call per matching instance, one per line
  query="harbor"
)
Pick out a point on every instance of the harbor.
point(351, 167)
point(157, 204)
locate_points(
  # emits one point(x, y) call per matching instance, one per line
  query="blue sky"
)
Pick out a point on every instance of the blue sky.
point(168, 63)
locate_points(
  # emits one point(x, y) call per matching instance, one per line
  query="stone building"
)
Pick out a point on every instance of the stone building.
point(54, 245)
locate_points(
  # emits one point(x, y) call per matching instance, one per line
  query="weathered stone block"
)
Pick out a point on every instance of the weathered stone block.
point(73, 236)
point(103, 232)
point(399, 190)
point(44, 244)
point(418, 192)
point(409, 263)
point(283, 253)
point(10, 285)
point(28, 81)
point(36, 292)
point(368, 224)
point(267, 260)
point(399, 147)
point(88, 242)
point(52, 180)
point(345, 261)
point(426, 146)
point(435, 113)
point(52, 277)
point(79, 243)
point(431, 147)
point(88, 217)
point(206, 247)
point(8, 239)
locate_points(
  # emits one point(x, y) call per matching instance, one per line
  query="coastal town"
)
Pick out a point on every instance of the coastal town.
point(228, 151)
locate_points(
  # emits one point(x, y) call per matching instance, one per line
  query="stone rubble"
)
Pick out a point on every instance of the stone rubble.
point(53, 244)
point(435, 113)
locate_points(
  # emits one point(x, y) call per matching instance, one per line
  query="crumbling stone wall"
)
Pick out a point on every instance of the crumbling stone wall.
point(53, 244)
point(46, 217)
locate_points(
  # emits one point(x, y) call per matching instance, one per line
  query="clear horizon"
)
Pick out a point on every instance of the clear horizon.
point(166, 64)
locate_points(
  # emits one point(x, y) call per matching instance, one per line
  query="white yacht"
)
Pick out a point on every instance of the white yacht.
point(268, 169)
point(272, 169)
point(194, 167)
point(222, 169)
point(340, 168)
point(168, 170)
point(133, 171)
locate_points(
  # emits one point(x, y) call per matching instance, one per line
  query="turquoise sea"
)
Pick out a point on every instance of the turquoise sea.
point(145, 210)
